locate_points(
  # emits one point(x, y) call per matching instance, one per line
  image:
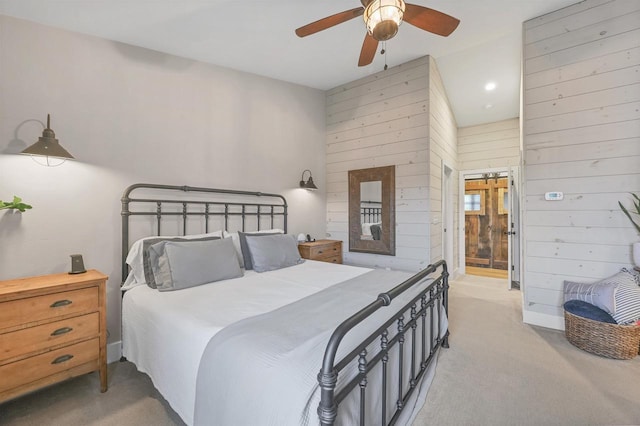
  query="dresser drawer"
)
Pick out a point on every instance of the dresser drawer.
point(32, 309)
point(327, 250)
point(31, 369)
point(41, 337)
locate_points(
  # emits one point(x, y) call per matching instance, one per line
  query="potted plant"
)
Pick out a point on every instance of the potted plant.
point(15, 204)
point(636, 223)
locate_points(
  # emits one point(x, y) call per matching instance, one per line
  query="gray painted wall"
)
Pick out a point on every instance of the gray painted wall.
point(129, 115)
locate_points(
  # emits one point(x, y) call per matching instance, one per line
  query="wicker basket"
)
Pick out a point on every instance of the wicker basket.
point(601, 338)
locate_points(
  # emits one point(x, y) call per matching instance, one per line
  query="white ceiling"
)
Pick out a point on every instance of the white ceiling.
point(257, 36)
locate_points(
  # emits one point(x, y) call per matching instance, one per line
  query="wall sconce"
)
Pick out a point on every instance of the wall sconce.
point(48, 147)
point(308, 184)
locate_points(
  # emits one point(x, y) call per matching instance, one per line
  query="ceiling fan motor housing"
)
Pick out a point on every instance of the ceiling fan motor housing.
point(385, 30)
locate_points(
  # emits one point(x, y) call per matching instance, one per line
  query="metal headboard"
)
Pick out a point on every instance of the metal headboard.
point(207, 208)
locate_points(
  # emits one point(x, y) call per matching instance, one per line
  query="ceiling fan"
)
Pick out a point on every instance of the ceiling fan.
point(382, 18)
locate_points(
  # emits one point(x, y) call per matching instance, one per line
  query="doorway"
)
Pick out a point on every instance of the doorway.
point(489, 243)
point(486, 207)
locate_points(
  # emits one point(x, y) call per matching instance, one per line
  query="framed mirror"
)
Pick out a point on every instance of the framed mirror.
point(372, 206)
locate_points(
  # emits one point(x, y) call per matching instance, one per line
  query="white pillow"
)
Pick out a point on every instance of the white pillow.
point(135, 256)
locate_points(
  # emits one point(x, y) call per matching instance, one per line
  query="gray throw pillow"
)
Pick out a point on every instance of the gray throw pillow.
point(148, 268)
point(600, 294)
point(271, 252)
point(627, 296)
point(242, 236)
point(184, 264)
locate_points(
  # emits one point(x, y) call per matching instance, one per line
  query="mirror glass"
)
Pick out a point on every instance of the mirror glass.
point(372, 210)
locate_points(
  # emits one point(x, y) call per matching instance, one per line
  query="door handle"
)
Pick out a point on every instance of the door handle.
point(510, 233)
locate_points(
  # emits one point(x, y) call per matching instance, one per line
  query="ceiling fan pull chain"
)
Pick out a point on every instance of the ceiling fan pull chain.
point(384, 52)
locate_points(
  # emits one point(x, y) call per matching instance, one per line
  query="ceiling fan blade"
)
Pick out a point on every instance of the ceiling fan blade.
point(329, 21)
point(430, 20)
point(369, 48)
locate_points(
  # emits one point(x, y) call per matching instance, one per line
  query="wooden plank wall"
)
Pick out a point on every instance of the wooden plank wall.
point(491, 145)
point(443, 146)
point(383, 120)
point(581, 136)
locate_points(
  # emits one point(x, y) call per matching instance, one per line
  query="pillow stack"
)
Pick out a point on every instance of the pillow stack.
point(174, 263)
point(618, 295)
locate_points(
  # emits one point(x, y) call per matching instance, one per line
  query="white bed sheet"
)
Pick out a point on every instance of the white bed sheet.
point(165, 333)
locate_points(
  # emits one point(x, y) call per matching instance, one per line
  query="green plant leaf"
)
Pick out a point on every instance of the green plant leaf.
point(15, 204)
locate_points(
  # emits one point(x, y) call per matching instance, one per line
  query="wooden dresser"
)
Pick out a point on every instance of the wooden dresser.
point(322, 250)
point(52, 328)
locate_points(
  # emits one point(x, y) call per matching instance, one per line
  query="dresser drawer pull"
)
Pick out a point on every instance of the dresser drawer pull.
point(63, 330)
point(60, 303)
point(320, 252)
point(61, 359)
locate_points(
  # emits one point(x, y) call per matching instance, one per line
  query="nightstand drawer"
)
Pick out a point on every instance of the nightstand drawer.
point(54, 305)
point(47, 364)
point(332, 259)
point(327, 250)
point(38, 338)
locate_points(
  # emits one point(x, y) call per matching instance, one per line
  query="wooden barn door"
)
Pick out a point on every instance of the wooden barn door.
point(486, 220)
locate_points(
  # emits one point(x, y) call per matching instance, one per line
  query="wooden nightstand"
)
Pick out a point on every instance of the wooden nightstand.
point(322, 250)
point(52, 328)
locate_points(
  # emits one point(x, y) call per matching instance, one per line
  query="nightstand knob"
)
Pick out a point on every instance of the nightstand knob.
point(60, 303)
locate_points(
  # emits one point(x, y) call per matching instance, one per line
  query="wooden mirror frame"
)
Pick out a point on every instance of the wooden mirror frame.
point(387, 244)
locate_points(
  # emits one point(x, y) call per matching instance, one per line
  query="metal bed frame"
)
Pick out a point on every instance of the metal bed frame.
point(404, 334)
point(370, 213)
point(225, 209)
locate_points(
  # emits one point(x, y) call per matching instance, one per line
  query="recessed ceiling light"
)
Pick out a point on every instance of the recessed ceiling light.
point(488, 106)
point(490, 86)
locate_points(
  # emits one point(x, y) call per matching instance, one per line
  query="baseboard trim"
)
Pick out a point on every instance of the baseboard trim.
point(114, 351)
point(543, 320)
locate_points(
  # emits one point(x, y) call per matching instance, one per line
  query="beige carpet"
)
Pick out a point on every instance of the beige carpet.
point(497, 371)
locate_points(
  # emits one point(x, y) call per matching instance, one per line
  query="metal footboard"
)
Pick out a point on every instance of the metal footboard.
point(404, 337)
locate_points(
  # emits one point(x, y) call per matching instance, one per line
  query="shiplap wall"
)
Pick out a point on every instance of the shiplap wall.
point(382, 120)
point(490, 145)
point(581, 125)
point(443, 147)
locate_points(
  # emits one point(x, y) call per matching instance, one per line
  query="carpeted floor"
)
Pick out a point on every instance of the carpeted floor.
point(498, 371)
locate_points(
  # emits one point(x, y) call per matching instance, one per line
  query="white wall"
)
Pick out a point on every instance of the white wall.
point(443, 149)
point(399, 117)
point(129, 115)
point(581, 127)
point(490, 145)
point(382, 120)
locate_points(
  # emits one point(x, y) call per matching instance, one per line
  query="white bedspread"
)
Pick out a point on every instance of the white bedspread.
point(262, 370)
point(165, 333)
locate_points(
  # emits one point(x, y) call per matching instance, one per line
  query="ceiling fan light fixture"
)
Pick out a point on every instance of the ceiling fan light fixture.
point(383, 17)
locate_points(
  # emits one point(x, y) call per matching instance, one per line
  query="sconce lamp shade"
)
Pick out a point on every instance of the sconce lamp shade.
point(48, 145)
point(308, 184)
